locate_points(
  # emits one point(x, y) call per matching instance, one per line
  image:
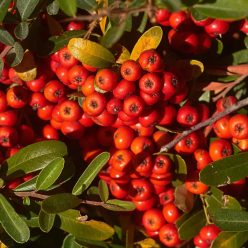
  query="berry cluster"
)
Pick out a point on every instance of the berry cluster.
point(192, 36)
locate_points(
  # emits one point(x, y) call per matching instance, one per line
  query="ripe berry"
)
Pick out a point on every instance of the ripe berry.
point(209, 232)
point(217, 27)
point(225, 102)
point(168, 235)
point(131, 70)
point(219, 149)
point(106, 79)
point(238, 125)
point(222, 129)
point(123, 137)
point(162, 17)
point(150, 83)
point(17, 97)
point(153, 219)
point(65, 58)
point(77, 75)
point(124, 89)
point(171, 212)
point(69, 110)
point(133, 106)
point(178, 19)
point(54, 91)
point(187, 116)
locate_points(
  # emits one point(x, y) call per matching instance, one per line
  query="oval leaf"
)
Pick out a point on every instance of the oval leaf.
point(59, 203)
point(230, 219)
point(12, 223)
point(69, 242)
point(26, 8)
point(27, 69)
point(225, 171)
point(230, 239)
point(50, 174)
point(21, 30)
point(149, 40)
point(53, 8)
point(15, 55)
point(90, 173)
point(103, 190)
point(68, 7)
point(119, 205)
point(6, 38)
point(46, 221)
point(192, 225)
point(33, 157)
point(70, 221)
point(91, 53)
point(27, 186)
point(4, 5)
point(222, 9)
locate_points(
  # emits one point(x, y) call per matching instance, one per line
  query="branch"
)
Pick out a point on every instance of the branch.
point(208, 122)
point(229, 87)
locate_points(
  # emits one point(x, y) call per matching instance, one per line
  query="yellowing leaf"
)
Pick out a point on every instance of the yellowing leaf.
point(148, 243)
point(124, 55)
point(215, 86)
point(91, 53)
point(27, 69)
point(103, 24)
point(149, 40)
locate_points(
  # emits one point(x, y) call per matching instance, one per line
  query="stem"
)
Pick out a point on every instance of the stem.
point(205, 209)
point(229, 87)
point(208, 122)
point(5, 51)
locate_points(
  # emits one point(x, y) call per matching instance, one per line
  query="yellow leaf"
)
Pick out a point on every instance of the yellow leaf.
point(148, 243)
point(197, 68)
point(27, 69)
point(124, 54)
point(91, 53)
point(2, 245)
point(149, 40)
point(103, 24)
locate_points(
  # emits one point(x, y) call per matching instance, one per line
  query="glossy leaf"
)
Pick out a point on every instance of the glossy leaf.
point(12, 223)
point(190, 227)
point(239, 57)
point(223, 9)
point(184, 200)
point(230, 219)
point(50, 174)
point(54, 43)
point(148, 243)
point(149, 40)
point(113, 34)
point(69, 242)
point(88, 5)
point(90, 173)
point(172, 5)
point(103, 190)
point(27, 186)
point(68, 7)
point(59, 203)
point(15, 55)
point(27, 69)
point(230, 239)
point(46, 221)
point(4, 5)
point(119, 205)
point(34, 157)
point(53, 8)
point(21, 30)
point(26, 8)
point(124, 55)
point(143, 23)
point(91, 53)
point(6, 38)
point(70, 221)
point(225, 171)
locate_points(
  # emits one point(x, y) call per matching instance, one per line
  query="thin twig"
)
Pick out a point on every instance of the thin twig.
point(208, 122)
point(229, 87)
point(5, 51)
point(205, 209)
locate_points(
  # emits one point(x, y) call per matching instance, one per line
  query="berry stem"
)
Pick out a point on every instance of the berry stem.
point(208, 122)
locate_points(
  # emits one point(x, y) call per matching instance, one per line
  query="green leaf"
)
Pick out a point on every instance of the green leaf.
point(27, 186)
point(53, 8)
point(225, 171)
point(222, 9)
point(220, 46)
point(230, 239)
point(113, 34)
point(12, 223)
point(90, 173)
point(119, 205)
point(197, 15)
point(15, 55)
point(4, 5)
point(174, 5)
point(50, 174)
point(21, 30)
point(180, 168)
point(93, 190)
point(91, 53)
point(71, 222)
point(59, 203)
point(92, 243)
point(246, 41)
point(26, 8)
point(184, 200)
point(230, 219)
point(143, 23)
point(88, 5)
point(34, 157)
point(239, 57)
point(6, 38)
point(68, 7)
point(55, 43)
point(69, 242)
point(148, 40)
point(190, 227)
point(103, 190)
point(46, 221)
